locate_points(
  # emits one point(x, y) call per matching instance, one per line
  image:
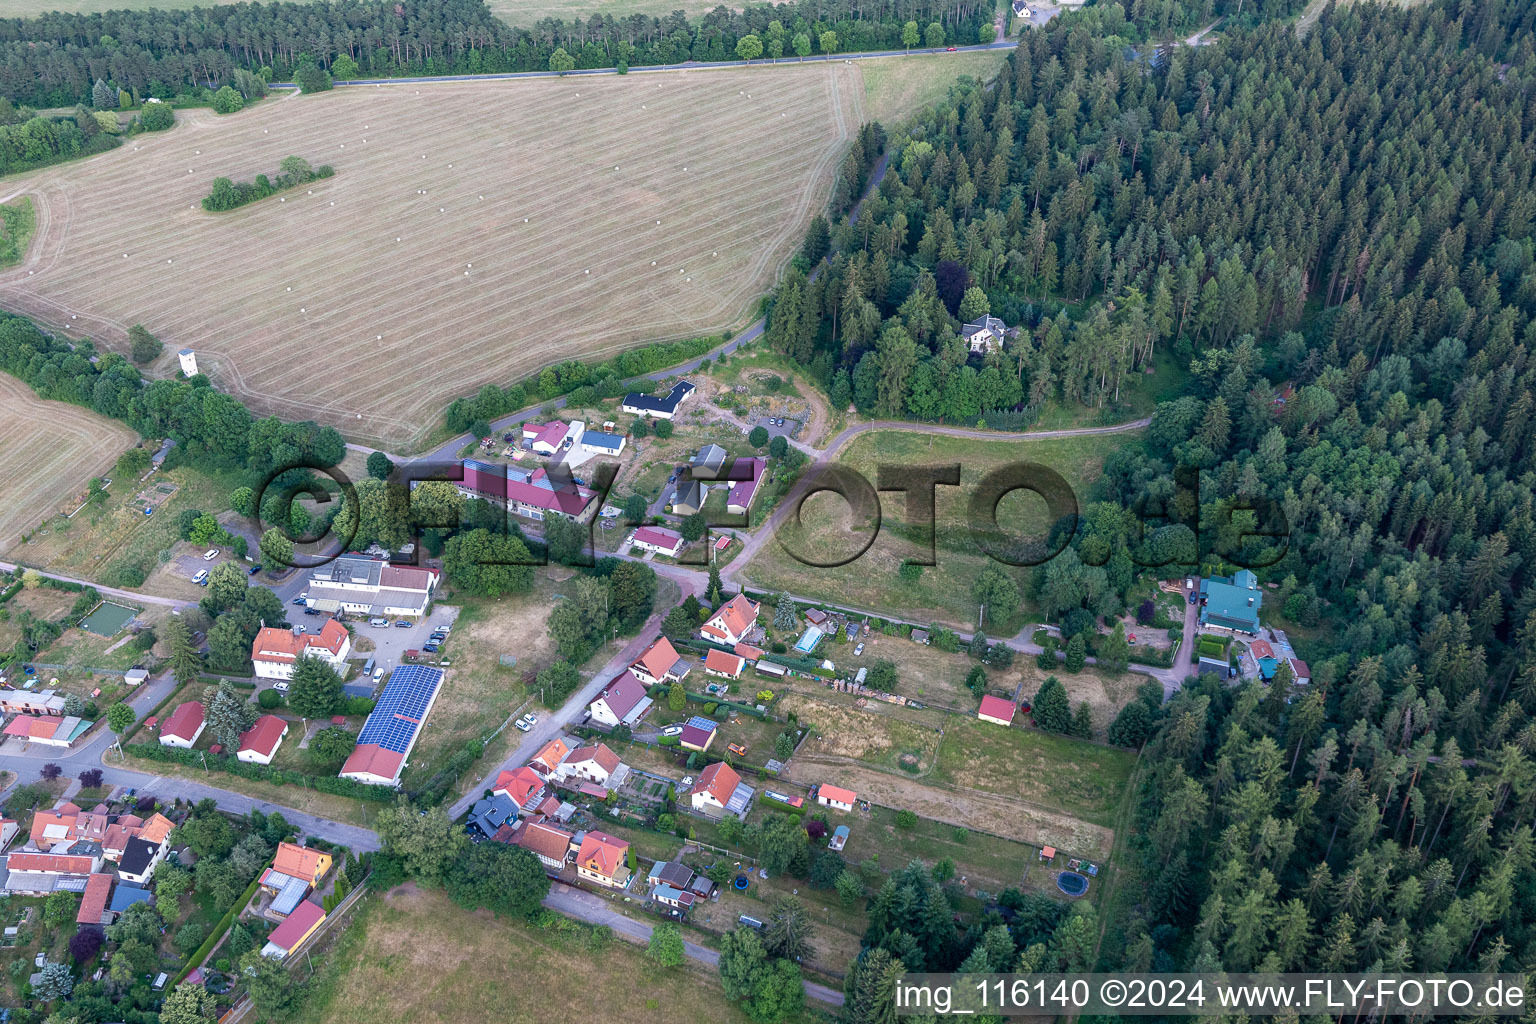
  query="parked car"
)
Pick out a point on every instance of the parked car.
point(298, 600)
point(378, 622)
point(858, 650)
point(533, 717)
point(201, 577)
point(438, 638)
point(301, 628)
point(254, 569)
point(402, 624)
point(210, 554)
point(311, 611)
point(523, 725)
point(281, 686)
point(378, 674)
point(429, 648)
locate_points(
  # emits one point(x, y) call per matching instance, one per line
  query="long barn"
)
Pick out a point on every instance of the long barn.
point(392, 729)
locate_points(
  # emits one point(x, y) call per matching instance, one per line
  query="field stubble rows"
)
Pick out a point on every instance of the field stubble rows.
point(364, 303)
point(48, 451)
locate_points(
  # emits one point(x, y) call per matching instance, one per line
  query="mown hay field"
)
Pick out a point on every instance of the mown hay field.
point(48, 453)
point(474, 232)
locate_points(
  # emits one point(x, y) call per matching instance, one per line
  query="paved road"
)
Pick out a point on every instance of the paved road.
point(594, 909)
point(105, 591)
point(27, 760)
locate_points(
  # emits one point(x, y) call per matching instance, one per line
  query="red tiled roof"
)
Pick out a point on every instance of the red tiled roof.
point(264, 736)
point(297, 925)
point(749, 652)
point(519, 785)
point(52, 863)
point(996, 707)
point(33, 727)
point(97, 888)
point(655, 535)
point(184, 721)
point(299, 861)
point(1261, 649)
point(551, 755)
point(156, 828)
point(719, 661)
point(372, 759)
point(281, 646)
point(601, 853)
point(719, 780)
point(659, 658)
point(605, 758)
point(737, 615)
point(545, 840)
point(837, 793)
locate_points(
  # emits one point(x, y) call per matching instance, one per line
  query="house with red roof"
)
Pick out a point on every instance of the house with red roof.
point(292, 933)
point(49, 731)
point(93, 907)
point(69, 866)
point(184, 725)
point(660, 664)
point(726, 666)
point(655, 538)
point(551, 845)
point(622, 702)
point(719, 790)
point(259, 743)
point(836, 797)
point(596, 764)
point(996, 710)
point(523, 787)
point(532, 494)
point(548, 438)
point(548, 759)
point(275, 651)
point(603, 859)
point(731, 624)
point(748, 653)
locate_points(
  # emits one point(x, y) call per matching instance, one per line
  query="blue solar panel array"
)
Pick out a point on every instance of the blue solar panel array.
point(401, 707)
point(700, 722)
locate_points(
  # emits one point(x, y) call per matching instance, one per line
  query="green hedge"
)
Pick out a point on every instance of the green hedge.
point(11, 591)
point(660, 692)
point(201, 954)
point(332, 784)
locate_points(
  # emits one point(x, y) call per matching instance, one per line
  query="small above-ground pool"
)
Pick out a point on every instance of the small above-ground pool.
point(741, 882)
point(1072, 883)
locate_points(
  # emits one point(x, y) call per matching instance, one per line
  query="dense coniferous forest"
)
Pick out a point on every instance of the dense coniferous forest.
point(1333, 236)
point(54, 59)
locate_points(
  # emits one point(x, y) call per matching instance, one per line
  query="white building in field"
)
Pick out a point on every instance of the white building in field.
point(188, 362)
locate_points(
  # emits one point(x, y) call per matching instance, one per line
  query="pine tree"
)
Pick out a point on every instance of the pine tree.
point(1077, 654)
point(1050, 709)
point(186, 664)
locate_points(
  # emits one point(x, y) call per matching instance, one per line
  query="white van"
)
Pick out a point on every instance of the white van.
point(201, 577)
point(210, 554)
point(378, 622)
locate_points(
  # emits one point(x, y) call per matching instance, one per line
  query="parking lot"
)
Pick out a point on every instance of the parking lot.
point(774, 429)
point(391, 642)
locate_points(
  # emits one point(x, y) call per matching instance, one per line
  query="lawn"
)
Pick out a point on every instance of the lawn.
point(895, 90)
point(412, 955)
point(943, 593)
point(881, 736)
point(104, 538)
point(50, 451)
point(1067, 774)
point(446, 229)
point(981, 861)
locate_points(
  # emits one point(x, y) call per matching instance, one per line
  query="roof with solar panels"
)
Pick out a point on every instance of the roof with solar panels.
point(391, 730)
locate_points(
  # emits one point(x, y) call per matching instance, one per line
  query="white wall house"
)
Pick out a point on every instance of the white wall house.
point(275, 651)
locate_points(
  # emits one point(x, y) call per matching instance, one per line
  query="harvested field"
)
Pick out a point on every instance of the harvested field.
point(50, 451)
point(446, 261)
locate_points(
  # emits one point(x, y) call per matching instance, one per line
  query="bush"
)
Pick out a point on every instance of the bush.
point(155, 117)
point(142, 345)
point(269, 699)
point(906, 819)
point(227, 101)
point(311, 78)
point(758, 437)
point(663, 429)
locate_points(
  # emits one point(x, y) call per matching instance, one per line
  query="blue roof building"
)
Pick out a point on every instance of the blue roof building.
point(1231, 602)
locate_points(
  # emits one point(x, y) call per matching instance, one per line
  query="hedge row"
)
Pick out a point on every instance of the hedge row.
point(660, 693)
point(196, 959)
point(332, 784)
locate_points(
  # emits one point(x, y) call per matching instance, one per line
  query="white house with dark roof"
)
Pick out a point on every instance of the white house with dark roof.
point(622, 702)
point(985, 335)
point(662, 407)
point(597, 442)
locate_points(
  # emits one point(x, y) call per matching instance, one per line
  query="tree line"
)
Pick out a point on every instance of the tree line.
point(54, 59)
point(293, 172)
